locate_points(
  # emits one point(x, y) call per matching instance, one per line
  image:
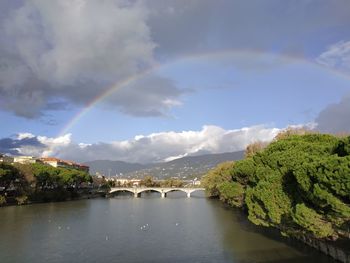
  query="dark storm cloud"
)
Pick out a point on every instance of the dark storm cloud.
point(75, 50)
point(13, 146)
point(287, 26)
point(335, 118)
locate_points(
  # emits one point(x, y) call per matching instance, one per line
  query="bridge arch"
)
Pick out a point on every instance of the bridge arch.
point(145, 190)
point(162, 191)
point(183, 192)
point(149, 189)
point(175, 190)
point(116, 190)
point(195, 190)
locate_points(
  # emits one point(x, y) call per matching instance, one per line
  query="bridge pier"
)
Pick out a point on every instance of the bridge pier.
point(136, 195)
point(188, 194)
point(163, 195)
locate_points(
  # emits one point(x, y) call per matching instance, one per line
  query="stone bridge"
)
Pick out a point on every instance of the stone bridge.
point(162, 190)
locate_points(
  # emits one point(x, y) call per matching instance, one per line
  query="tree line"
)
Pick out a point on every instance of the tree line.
point(299, 183)
point(21, 183)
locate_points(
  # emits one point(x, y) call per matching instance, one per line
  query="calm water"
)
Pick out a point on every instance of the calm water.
point(147, 229)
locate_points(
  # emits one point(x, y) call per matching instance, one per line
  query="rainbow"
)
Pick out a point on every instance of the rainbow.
point(187, 58)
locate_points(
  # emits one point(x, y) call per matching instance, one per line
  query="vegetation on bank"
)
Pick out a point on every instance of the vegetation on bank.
point(22, 183)
point(300, 184)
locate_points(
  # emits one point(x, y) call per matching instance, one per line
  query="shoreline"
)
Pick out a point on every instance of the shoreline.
point(80, 197)
point(325, 247)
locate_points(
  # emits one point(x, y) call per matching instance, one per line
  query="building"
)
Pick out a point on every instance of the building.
point(5, 158)
point(55, 162)
point(18, 159)
point(24, 159)
point(127, 182)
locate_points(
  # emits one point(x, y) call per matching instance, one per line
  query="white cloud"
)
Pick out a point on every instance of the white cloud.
point(155, 147)
point(54, 145)
point(336, 56)
point(24, 135)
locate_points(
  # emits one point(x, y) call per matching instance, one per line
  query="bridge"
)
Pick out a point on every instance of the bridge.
point(162, 190)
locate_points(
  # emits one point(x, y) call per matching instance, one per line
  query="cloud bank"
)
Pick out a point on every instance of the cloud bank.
point(155, 147)
point(61, 52)
point(335, 117)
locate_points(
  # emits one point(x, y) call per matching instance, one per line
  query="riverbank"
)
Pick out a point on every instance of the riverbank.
point(336, 251)
point(73, 197)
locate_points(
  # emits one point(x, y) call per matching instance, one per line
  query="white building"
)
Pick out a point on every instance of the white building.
point(24, 159)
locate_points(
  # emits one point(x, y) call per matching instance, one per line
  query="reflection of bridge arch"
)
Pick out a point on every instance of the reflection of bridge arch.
point(162, 190)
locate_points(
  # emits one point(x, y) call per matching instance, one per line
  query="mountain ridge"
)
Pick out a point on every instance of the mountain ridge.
point(185, 167)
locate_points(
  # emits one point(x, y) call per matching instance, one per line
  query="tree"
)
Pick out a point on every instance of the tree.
point(148, 181)
point(300, 183)
point(292, 131)
point(220, 174)
point(254, 148)
point(171, 182)
point(2, 200)
point(231, 193)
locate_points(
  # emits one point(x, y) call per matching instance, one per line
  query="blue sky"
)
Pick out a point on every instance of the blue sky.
point(245, 70)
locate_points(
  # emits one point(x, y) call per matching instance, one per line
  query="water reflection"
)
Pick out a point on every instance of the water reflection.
point(249, 243)
point(146, 229)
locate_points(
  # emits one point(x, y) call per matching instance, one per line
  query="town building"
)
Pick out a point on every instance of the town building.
point(24, 159)
point(17, 159)
point(127, 182)
point(5, 158)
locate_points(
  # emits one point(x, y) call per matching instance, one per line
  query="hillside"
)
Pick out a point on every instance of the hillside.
point(107, 167)
point(186, 167)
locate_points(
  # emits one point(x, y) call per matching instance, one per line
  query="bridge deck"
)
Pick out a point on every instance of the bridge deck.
point(162, 190)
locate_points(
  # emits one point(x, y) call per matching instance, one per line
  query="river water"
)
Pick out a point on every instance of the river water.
point(146, 229)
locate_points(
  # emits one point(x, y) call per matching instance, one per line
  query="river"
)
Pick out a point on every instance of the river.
point(146, 229)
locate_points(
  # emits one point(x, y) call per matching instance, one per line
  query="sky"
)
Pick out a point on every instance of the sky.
point(154, 80)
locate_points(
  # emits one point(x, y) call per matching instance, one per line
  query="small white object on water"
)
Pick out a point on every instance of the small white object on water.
point(106, 238)
point(59, 227)
point(176, 224)
point(144, 227)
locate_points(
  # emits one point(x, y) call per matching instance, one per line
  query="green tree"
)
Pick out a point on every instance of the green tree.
point(231, 193)
point(148, 181)
point(2, 200)
point(171, 182)
point(300, 183)
point(220, 174)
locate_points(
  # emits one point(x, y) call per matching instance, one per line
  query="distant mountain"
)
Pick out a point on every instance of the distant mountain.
point(112, 168)
point(186, 167)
